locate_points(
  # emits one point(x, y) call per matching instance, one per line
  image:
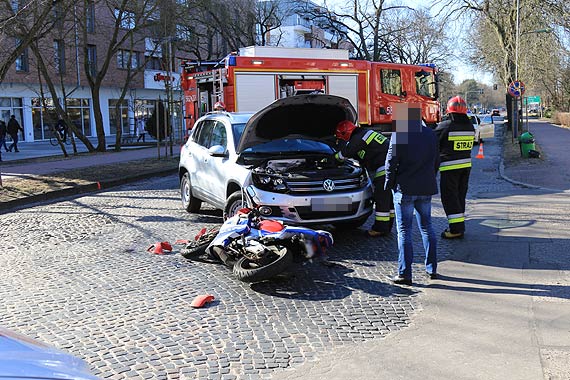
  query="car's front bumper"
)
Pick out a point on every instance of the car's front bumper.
point(314, 208)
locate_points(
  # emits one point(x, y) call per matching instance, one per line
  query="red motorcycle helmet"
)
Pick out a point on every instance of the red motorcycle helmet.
point(344, 130)
point(219, 106)
point(457, 105)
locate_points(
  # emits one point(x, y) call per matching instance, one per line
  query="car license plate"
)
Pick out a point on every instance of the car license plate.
point(331, 204)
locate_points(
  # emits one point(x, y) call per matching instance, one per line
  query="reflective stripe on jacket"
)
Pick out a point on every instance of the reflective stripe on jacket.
point(455, 137)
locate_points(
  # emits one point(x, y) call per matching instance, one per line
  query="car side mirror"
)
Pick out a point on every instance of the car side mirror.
point(217, 151)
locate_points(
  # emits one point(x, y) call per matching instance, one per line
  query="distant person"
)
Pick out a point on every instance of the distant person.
point(141, 132)
point(61, 128)
point(13, 128)
point(3, 134)
point(411, 167)
point(456, 137)
point(219, 106)
point(2, 137)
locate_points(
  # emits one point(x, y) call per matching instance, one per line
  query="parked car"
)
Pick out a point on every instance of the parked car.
point(484, 127)
point(24, 358)
point(278, 159)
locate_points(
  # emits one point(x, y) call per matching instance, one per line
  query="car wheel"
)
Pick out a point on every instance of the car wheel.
point(234, 203)
point(189, 202)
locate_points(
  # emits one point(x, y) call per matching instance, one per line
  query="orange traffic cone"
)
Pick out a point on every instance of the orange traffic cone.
point(480, 154)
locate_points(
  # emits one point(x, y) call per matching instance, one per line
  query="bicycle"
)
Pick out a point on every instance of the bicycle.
point(54, 139)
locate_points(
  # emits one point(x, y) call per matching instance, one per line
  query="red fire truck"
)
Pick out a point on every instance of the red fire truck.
point(259, 75)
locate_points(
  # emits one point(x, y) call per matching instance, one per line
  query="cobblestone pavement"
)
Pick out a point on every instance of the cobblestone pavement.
point(76, 274)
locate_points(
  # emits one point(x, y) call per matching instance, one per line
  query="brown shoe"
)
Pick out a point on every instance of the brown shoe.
point(450, 235)
point(373, 233)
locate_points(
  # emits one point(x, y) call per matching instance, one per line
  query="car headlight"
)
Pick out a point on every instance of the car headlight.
point(269, 183)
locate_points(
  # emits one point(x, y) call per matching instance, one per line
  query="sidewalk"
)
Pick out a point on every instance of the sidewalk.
point(501, 308)
point(39, 171)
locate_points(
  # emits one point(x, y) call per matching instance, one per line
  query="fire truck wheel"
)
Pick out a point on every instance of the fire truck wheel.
point(189, 202)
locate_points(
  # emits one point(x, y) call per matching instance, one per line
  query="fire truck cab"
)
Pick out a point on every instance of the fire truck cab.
point(258, 75)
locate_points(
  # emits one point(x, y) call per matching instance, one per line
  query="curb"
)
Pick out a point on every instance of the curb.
point(80, 189)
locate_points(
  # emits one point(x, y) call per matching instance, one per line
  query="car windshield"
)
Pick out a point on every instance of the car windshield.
point(288, 146)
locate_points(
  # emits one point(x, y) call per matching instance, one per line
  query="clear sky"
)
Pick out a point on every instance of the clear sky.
point(461, 70)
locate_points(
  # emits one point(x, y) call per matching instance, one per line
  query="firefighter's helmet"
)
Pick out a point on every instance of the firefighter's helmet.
point(219, 106)
point(344, 130)
point(457, 105)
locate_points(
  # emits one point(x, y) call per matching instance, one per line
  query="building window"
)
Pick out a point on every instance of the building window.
point(90, 22)
point(122, 121)
point(127, 59)
point(22, 60)
point(153, 63)
point(44, 118)
point(391, 82)
point(183, 32)
point(78, 110)
point(58, 14)
point(127, 19)
point(59, 56)
point(92, 59)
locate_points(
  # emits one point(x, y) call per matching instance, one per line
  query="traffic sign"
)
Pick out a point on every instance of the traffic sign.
point(532, 99)
point(516, 88)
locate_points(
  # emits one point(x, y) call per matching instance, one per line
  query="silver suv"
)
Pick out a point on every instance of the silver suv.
point(279, 160)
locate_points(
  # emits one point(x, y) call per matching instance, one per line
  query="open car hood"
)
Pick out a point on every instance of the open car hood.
point(302, 116)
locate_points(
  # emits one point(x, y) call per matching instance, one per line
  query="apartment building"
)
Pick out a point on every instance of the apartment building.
point(78, 41)
point(301, 24)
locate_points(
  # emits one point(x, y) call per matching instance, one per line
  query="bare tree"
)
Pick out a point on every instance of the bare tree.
point(130, 20)
point(26, 24)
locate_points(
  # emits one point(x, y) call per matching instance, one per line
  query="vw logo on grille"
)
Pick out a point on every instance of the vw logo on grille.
point(328, 185)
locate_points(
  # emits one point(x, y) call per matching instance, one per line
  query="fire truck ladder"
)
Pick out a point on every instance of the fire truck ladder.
point(218, 85)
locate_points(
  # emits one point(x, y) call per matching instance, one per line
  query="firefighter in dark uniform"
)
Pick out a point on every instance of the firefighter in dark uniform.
point(455, 136)
point(370, 149)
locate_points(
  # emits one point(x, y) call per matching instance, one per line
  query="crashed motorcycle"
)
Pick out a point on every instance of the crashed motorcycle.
point(257, 249)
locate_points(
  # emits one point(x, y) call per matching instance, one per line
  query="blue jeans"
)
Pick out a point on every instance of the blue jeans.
point(404, 206)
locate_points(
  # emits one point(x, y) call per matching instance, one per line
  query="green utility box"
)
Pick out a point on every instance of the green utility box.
point(526, 140)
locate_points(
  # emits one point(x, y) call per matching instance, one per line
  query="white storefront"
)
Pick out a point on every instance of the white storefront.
point(37, 116)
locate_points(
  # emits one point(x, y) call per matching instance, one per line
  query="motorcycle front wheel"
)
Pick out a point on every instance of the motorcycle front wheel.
point(247, 270)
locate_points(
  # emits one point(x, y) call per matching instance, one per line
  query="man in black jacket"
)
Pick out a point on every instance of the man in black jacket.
point(13, 128)
point(455, 137)
point(411, 167)
point(369, 148)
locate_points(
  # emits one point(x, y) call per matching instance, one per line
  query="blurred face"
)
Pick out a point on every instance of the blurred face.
point(406, 118)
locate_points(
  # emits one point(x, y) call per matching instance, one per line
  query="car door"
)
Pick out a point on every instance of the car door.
point(198, 158)
point(214, 171)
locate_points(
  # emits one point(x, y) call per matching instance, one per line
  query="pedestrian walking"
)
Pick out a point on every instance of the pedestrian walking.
point(13, 128)
point(3, 134)
point(455, 135)
point(2, 137)
point(369, 148)
point(141, 130)
point(411, 167)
